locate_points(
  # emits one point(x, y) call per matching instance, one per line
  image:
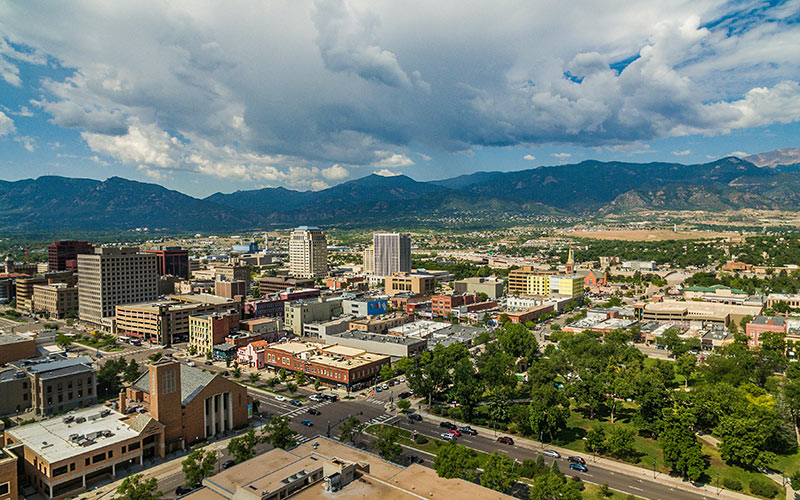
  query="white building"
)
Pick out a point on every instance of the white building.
point(308, 253)
point(392, 253)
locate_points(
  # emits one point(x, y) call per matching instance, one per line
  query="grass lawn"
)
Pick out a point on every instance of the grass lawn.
point(592, 492)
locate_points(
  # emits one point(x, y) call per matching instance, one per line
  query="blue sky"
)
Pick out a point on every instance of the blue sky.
point(308, 94)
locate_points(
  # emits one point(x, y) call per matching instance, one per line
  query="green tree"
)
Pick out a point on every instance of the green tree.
point(681, 450)
point(745, 439)
point(282, 374)
point(291, 387)
point(386, 443)
point(518, 341)
point(300, 378)
point(467, 388)
point(197, 466)
point(134, 488)
point(685, 366)
point(386, 372)
point(192, 350)
point(278, 434)
point(404, 405)
point(620, 442)
point(548, 411)
point(596, 439)
point(317, 383)
point(243, 447)
point(254, 377)
point(351, 429)
point(456, 461)
point(237, 372)
point(131, 371)
point(499, 473)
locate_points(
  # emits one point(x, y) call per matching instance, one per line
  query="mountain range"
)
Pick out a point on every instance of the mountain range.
point(765, 181)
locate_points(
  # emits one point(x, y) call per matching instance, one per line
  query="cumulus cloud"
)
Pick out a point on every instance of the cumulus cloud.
point(738, 154)
point(685, 152)
point(561, 156)
point(335, 172)
point(6, 125)
point(385, 172)
point(291, 89)
point(29, 143)
point(529, 157)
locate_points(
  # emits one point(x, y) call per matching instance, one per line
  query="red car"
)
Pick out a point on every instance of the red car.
point(455, 432)
point(505, 440)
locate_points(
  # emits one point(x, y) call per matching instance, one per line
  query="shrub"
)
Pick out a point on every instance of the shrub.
point(763, 487)
point(420, 439)
point(732, 484)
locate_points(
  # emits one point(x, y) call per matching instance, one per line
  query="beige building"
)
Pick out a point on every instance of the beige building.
point(420, 284)
point(698, 312)
point(380, 324)
point(308, 253)
point(368, 256)
point(25, 288)
point(300, 312)
point(114, 276)
point(492, 287)
point(167, 321)
point(55, 300)
point(233, 270)
point(230, 289)
point(208, 330)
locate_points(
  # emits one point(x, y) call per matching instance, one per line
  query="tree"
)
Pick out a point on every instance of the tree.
point(386, 443)
point(386, 372)
point(351, 429)
point(455, 461)
point(278, 433)
point(300, 378)
point(133, 488)
point(237, 372)
point(192, 350)
point(518, 341)
point(620, 442)
point(745, 439)
point(791, 393)
point(197, 466)
point(317, 383)
point(243, 447)
point(131, 372)
point(467, 387)
point(548, 411)
point(498, 473)
point(291, 387)
point(681, 450)
point(282, 374)
point(404, 405)
point(596, 439)
point(684, 366)
point(108, 380)
point(255, 377)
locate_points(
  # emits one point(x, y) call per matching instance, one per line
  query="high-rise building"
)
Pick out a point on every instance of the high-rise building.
point(172, 261)
point(308, 253)
point(369, 259)
point(113, 276)
point(62, 255)
point(392, 253)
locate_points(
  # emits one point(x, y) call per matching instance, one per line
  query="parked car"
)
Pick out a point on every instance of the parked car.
point(307, 423)
point(447, 436)
point(413, 417)
point(455, 432)
point(226, 373)
point(551, 453)
point(209, 363)
point(192, 363)
point(415, 459)
point(401, 379)
point(385, 387)
point(378, 389)
point(404, 395)
point(577, 460)
point(316, 397)
point(505, 440)
point(313, 411)
point(280, 398)
point(468, 430)
point(578, 467)
point(448, 425)
point(182, 490)
point(228, 464)
point(330, 397)
point(295, 402)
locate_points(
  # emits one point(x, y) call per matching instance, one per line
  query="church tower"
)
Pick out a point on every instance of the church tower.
point(570, 262)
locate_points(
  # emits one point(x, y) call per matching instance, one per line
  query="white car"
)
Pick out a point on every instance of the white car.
point(401, 379)
point(192, 363)
point(280, 398)
point(447, 436)
point(385, 387)
point(551, 453)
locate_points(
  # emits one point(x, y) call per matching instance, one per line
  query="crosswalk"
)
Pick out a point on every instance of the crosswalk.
point(304, 409)
point(376, 401)
point(300, 439)
point(381, 419)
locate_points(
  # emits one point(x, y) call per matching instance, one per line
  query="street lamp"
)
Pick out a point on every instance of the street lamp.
point(718, 489)
point(654, 467)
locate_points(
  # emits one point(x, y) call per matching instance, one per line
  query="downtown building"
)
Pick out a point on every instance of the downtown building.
point(391, 253)
point(63, 255)
point(114, 276)
point(308, 253)
point(172, 261)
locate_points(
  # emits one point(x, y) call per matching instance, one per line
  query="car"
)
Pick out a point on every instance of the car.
point(313, 411)
point(448, 425)
point(415, 459)
point(209, 363)
point(316, 397)
point(468, 430)
point(579, 467)
point(447, 436)
point(393, 383)
point(228, 464)
point(414, 417)
point(307, 423)
point(505, 440)
point(295, 402)
point(280, 398)
point(226, 373)
point(551, 453)
point(192, 364)
point(455, 432)
point(401, 379)
point(331, 397)
point(404, 395)
point(182, 490)
point(660, 347)
point(378, 389)
point(576, 460)
point(385, 387)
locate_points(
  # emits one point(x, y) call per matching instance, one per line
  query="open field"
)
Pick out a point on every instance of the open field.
point(649, 235)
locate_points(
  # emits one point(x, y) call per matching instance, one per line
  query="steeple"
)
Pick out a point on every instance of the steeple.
point(570, 262)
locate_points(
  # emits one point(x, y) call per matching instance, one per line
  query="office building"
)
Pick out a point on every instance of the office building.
point(332, 364)
point(63, 255)
point(442, 305)
point(9, 485)
point(55, 300)
point(491, 287)
point(545, 284)
point(380, 324)
point(15, 386)
point(14, 347)
point(25, 292)
point(262, 326)
point(379, 343)
point(60, 385)
point(308, 253)
point(249, 247)
point(230, 289)
point(392, 253)
point(695, 312)
point(233, 270)
point(208, 330)
point(166, 321)
point(639, 265)
point(518, 280)
point(299, 312)
point(368, 260)
point(364, 306)
point(113, 276)
point(275, 284)
point(418, 284)
point(172, 261)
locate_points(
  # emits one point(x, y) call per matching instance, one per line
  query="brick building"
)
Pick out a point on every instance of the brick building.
point(172, 261)
point(230, 289)
point(274, 284)
point(208, 330)
point(63, 255)
point(442, 305)
point(379, 324)
point(332, 364)
point(763, 324)
point(14, 347)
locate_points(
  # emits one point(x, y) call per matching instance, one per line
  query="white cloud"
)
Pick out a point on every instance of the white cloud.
point(562, 156)
point(738, 154)
point(424, 156)
point(685, 152)
point(385, 172)
point(529, 157)
point(335, 172)
point(392, 160)
point(6, 125)
point(29, 143)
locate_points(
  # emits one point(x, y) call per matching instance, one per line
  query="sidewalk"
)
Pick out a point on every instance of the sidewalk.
point(620, 467)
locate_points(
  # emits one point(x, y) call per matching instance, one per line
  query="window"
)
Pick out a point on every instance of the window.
point(88, 461)
point(133, 446)
point(59, 470)
point(110, 453)
point(123, 449)
point(98, 458)
point(5, 488)
point(72, 466)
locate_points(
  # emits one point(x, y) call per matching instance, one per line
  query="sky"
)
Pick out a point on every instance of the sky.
point(204, 96)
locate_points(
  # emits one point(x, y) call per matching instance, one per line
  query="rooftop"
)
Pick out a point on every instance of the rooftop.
point(44, 365)
point(374, 337)
point(13, 338)
point(193, 380)
point(50, 439)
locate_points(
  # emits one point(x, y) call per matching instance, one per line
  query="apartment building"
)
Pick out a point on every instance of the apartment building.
point(60, 385)
point(391, 253)
point(63, 255)
point(208, 330)
point(492, 287)
point(114, 276)
point(300, 312)
point(418, 284)
point(308, 253)
point(334, 364)
point(172, 261)
point(230, 289)
point(55, 300)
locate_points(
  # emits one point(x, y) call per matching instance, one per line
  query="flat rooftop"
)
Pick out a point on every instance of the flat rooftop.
point(346, 363)
point(373, 337)
point(13, 338)
point(258, 321)
point(50, 439)
point(297, 347)
point(421, 327)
